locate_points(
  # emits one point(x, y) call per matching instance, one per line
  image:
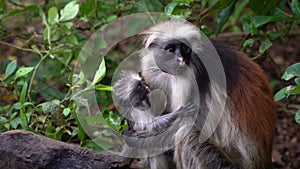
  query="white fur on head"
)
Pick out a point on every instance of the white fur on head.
point(123, 87)
point(171, 29)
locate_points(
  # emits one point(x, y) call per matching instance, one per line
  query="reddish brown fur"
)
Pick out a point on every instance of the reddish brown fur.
point(253, 107)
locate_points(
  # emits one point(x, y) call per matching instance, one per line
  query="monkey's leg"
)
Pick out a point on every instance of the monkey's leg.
point(191, 154)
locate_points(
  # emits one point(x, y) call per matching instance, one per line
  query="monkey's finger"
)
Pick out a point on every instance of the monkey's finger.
point(188, 110)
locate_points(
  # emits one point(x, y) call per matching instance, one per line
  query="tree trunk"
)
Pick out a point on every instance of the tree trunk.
point(26, 150)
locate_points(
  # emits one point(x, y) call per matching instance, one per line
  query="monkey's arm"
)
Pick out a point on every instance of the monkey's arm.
point(161, 123)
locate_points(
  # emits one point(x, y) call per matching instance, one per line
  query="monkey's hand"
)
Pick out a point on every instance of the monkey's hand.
point(188, 110)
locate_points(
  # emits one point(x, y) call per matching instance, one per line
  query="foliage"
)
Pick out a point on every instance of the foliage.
point(292, 72)
point(36, 93)
point(34, 96)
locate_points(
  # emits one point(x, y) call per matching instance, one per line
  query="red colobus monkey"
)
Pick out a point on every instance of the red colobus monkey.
point(243, 137)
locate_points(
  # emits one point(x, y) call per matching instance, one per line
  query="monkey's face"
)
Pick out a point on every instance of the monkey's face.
point(171, 56)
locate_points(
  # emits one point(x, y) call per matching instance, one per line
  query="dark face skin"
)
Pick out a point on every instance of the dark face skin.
point(172, 56)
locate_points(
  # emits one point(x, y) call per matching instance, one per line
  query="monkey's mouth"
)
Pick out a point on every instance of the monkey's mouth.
point(176, 71)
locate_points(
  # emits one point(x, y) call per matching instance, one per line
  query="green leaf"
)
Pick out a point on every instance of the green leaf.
point(297, 117)
point(297, 81)
point(68, 25)
point(45, 34)
point(24, 117)
point(262, 6)
point(283, 93)
point(87, 7)
point(3, 6)
point(248, 25)
point(111, 18)
point(50, 106)
point(23, 71)
point(66, 111)
point(170, 8)
point(248, 42)
point(256, 5)
point(102, 87)
point(53, 15)
point(3, 124)
point(72, 39)
point(15, 122)
point(84, 19)
point(43, 16)
point(296, 90)
point(205, 30)
point(100, 73)
point(275, 34)
point(23, 93)
point(78, 79)
point(223, 16)
point(218, 6)
point(280, 11)
point(11, 67)
point(292, 71)
point(295, 6)
point(17, 106)
point(265, 45)
point(262, 20)
point(69, 12)
point(25, 9)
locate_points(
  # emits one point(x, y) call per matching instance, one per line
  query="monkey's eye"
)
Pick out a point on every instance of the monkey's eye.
point(153, 45)
point(185, 50)
point(170, 48)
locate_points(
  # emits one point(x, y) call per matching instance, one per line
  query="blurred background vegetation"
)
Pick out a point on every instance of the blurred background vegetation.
point(40, 41)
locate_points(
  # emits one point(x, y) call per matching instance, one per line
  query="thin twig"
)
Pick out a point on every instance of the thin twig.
point(34, 73)
point(20, 48)
point(286, 106)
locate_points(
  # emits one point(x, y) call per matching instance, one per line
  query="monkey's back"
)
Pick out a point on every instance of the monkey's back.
point(250, 101)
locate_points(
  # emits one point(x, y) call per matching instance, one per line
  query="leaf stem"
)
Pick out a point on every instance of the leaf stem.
point(43, 57)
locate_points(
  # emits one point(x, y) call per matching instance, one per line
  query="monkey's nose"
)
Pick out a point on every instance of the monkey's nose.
point(180, 61)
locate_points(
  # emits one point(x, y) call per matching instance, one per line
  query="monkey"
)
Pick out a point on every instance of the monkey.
point(131, 90)
point(172, 47)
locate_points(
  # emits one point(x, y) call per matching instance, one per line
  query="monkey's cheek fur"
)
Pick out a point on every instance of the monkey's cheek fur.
point(173, 67)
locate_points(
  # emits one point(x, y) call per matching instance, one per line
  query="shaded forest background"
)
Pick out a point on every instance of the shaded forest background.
point(40, 41)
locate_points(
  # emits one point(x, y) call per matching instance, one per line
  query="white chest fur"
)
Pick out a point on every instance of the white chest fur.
point(180, 91)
